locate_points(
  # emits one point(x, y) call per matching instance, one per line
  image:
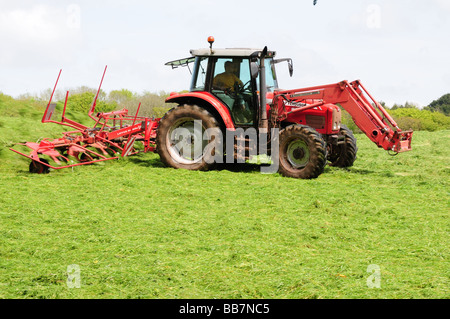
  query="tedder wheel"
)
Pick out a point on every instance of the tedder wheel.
point(344, 154)
point(302, 152)
point(39, 168)
point(181, 141)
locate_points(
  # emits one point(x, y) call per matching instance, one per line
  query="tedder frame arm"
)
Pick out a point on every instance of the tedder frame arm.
point(87, 145)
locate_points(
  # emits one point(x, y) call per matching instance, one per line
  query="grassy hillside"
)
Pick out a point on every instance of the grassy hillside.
point(139, 230)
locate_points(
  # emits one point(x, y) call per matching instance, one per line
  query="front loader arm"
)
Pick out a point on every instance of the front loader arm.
point(367, 113)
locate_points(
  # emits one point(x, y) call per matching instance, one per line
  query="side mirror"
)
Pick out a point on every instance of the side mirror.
point(291, 67)
point(254, 69)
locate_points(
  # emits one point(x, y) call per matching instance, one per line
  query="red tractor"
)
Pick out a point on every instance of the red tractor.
point(233, 112)
point(236, 90)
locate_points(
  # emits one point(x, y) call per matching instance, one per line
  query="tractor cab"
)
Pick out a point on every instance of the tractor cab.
point(232, 76)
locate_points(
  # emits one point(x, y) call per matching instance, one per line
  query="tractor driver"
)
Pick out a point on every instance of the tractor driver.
point(227, 80)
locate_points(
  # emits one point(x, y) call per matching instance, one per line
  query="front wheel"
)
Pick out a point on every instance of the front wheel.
point(344, 154)
point(302, 152)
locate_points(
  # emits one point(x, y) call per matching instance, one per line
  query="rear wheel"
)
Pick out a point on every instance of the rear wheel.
point(183, 137)
point(302, 152)
point(344, 154)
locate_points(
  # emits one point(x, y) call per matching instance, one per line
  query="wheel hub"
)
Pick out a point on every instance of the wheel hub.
point(298, 153)
point(186, 141)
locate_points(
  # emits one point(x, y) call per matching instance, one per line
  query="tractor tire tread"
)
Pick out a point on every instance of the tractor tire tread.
point(316, 145)
point(186, 110)
point(348, 154)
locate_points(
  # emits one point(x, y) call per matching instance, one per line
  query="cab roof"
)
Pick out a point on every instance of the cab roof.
point(241, 52)
point(229, 52)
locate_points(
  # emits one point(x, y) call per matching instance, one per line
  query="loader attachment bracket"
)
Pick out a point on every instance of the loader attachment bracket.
point(403, 141)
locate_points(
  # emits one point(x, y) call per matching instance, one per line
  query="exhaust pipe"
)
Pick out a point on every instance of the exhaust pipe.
point(264, 124)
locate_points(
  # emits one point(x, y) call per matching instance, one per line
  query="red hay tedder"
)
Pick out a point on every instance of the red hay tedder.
point(232, 91)
point(114, 134)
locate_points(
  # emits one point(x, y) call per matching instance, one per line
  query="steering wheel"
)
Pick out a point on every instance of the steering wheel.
point(239, 89)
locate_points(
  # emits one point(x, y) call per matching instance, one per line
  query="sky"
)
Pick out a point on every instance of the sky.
point(400, 50)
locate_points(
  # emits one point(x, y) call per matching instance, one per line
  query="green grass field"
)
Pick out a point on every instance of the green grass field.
point(138, 230)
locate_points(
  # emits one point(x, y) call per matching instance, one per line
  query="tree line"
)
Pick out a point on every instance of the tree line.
point(80, 100)
point(435, 116)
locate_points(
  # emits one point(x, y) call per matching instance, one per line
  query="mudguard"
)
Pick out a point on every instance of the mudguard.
point(194, 97)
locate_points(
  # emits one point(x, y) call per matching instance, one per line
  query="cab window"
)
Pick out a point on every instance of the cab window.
point(199, 74)
point(232, 84)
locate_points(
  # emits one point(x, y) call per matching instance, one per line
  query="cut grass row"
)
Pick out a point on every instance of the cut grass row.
point(139, 230)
